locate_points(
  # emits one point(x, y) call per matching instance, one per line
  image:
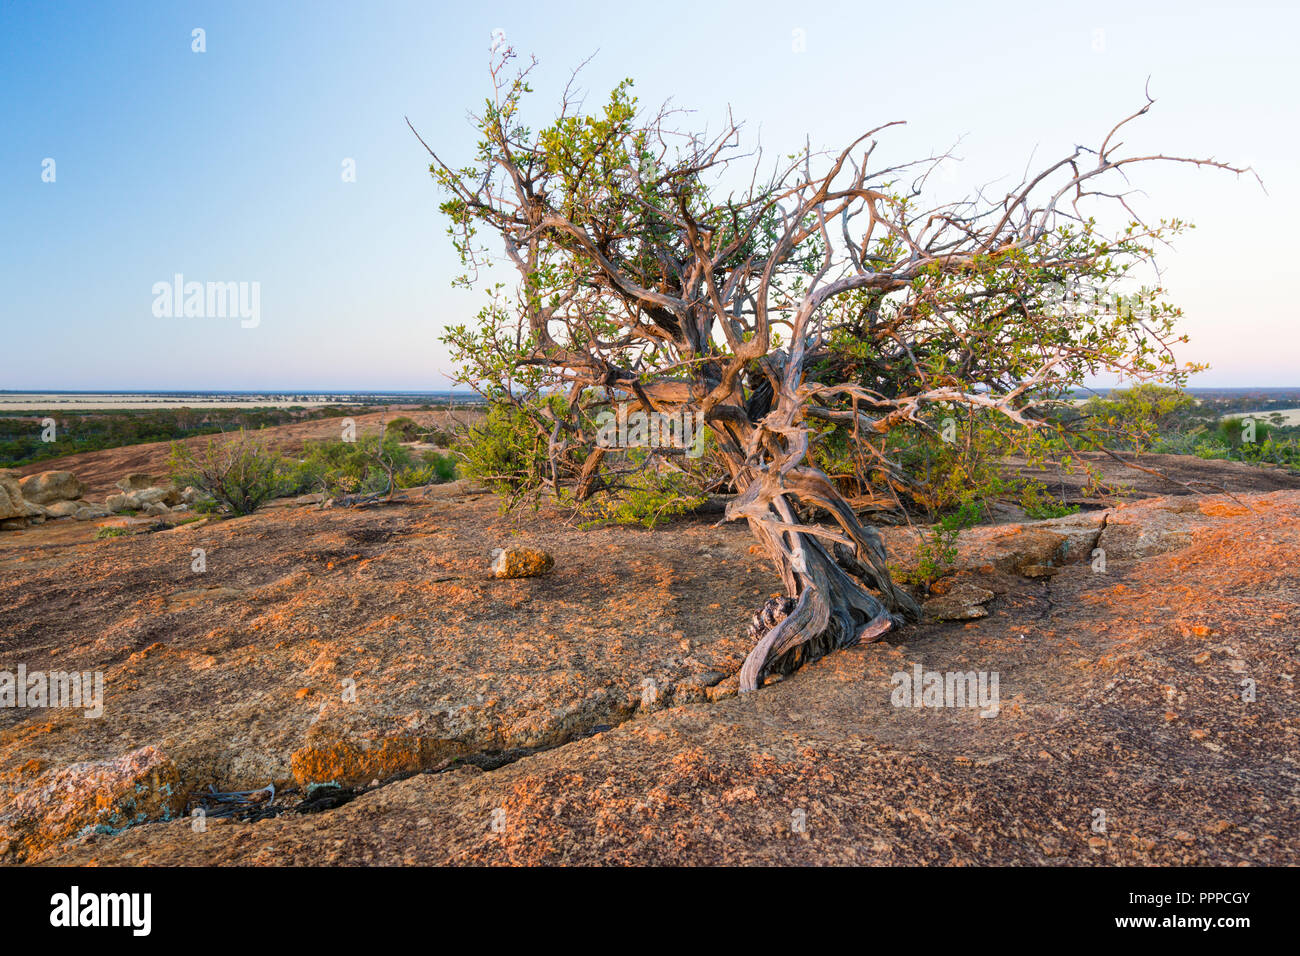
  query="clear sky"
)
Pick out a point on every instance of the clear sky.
point(227, 165)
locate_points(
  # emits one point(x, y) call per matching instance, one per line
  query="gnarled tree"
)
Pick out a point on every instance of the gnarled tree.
point(663, 268)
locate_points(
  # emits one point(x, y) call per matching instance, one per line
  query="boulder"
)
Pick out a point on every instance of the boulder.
point(50, 486)
point(11, 495)
point(1034, 549)
point(148, 496)
point(89, 512)
point(137, 481)
point(156, 508)
point(119, 502)
point(1134, 533)
point(63, 509)
point(520, 562)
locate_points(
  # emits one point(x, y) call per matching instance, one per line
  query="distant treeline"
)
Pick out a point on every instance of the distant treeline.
point(21, 436)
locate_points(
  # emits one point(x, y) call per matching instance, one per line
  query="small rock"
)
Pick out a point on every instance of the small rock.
point(521, 563)
point(961, 603)
point(1038, 570)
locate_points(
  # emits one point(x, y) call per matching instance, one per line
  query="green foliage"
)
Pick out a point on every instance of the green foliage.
point(110, 532)
point(370, 465)
point(646, 497)
point(442, 437)
point(20, 436)
point(937, 554)
point(1132, 419)
point(507, 451)
point(240, 473)
point(404, 429)
point(1040, 508)
point(917, 389)
point(436, 468)
point(950, 457)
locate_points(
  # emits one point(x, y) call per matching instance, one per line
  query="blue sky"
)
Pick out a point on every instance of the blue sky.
point(226, 165)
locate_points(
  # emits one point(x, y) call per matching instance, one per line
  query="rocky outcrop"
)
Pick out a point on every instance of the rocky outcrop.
point(962, 601)
point(51, 486)
point(1033, 549)
point(104, 796)
point(136, 481)
point(593, 707)
point(63, 509)
point(50, 494)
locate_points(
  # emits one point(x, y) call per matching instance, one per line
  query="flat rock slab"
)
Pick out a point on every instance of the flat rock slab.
point(351, 645)
point(1119, 690)
point(358, 646)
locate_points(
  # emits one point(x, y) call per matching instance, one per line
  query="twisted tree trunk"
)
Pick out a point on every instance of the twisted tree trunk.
point(837, 577)
point(842, 590)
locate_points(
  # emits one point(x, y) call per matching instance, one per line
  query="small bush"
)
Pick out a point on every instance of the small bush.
point(507, 451)
point(367, 466)
point(435, 469)
point(645, 498)
point(404, 429)
point(240, 473)
point(1051, 509)
point(937, 555)
point(442, 437)
point(1039, 506)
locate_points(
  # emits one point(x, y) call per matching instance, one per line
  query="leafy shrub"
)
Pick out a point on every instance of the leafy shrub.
point(442, 437)
point(405, 429)
point(507, 450)
point(436, 469)
point(370, 465)
point(937, 554)
point(1051, 509)
point(240, 473)
point(646, 497)
point(1132, 419)
point(1040, 506)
